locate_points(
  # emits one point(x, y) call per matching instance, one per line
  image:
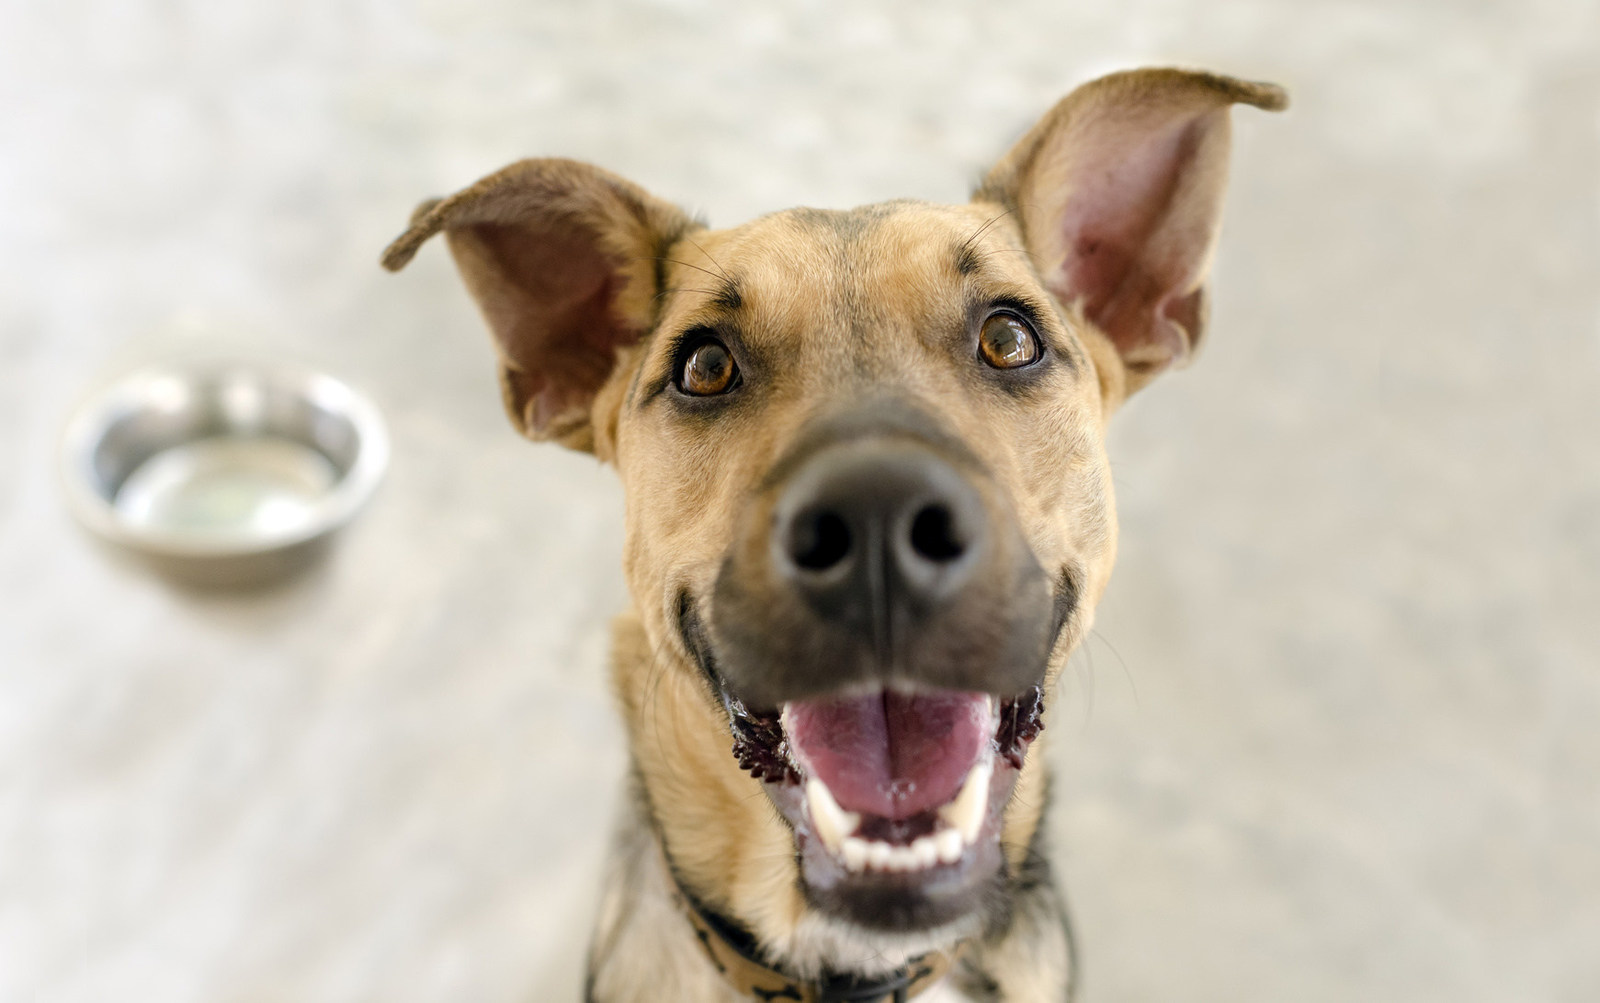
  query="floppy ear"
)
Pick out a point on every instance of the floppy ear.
point(1118, 191)
point(563, 259)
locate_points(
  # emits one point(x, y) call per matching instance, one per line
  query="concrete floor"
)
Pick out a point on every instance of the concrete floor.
point(1335, 737)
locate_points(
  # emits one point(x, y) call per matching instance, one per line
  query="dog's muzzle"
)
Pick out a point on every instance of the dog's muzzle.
point(880, 552)
point(879, 632)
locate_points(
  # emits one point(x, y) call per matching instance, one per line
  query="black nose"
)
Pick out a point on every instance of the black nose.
point(874, 533)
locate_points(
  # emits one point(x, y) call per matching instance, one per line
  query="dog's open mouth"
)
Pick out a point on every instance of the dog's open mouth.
point(891, 791)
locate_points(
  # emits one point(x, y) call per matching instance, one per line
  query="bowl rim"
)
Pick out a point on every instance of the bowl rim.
point(90, 420)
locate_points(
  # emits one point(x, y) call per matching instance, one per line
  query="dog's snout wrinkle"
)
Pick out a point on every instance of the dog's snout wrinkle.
point(879, 418)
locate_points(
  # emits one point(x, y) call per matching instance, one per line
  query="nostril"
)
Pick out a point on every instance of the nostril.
point(934, 536)
point(820, 542)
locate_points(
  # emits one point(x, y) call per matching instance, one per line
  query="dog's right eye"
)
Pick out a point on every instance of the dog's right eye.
point(708, 369)
point(1007, 342)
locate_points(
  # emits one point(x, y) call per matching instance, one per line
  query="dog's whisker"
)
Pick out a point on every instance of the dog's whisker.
point(966, 245)
point(709, 258)
point(685, 264)
point(670, 290)
point(1126, 672)
point(1086, 679)
point(1005, 250)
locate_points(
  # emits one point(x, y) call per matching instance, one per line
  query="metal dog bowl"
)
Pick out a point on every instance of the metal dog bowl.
point(223, 473)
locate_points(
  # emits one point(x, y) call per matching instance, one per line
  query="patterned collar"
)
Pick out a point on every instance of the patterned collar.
point(734, 953)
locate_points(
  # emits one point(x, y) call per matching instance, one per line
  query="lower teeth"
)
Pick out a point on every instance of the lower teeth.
point(962, 817)
point(944, 847)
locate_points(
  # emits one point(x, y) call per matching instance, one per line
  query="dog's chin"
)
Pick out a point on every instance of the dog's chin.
point(895, 798)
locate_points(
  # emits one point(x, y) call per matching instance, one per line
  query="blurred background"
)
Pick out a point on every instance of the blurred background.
point(1337, 735)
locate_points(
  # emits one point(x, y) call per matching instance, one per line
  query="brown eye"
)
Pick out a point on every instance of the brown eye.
point(1007, 342)
point(707, 370)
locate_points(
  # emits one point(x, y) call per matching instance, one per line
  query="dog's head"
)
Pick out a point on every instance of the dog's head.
point(869, 511)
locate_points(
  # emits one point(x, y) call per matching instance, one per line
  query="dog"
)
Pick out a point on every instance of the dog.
point(868, 517)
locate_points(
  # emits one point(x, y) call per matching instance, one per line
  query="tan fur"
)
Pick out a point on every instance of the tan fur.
point(850, 302)
point(724, 838)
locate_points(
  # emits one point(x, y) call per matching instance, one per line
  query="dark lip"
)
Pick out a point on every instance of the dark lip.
point(758, 733)
point(697, 642)
point(758, 738)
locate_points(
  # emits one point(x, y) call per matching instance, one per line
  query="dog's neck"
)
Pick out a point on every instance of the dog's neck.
point(734, 953)
point(645, 948)
point(648, 945)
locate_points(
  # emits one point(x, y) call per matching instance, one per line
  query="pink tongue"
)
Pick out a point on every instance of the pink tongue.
point(890, 754)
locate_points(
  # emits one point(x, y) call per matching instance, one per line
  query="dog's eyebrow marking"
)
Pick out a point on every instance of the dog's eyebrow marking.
point(966, 259)
point(967, 256)
point(728, 296)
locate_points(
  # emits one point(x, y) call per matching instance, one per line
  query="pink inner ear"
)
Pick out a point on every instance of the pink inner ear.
point(1128, 247)
point(552, 313)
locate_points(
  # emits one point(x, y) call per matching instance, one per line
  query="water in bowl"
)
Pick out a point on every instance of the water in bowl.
point(227, 488)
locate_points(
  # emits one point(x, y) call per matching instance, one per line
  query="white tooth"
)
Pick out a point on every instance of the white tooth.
point(965, 813)
point(832, 823)
point(924, 852)
point(878, 854)
point(902, 859)
point(949, 844)
point(855, 853)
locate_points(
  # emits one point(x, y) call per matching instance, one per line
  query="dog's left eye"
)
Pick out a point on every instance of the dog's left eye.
point(708, 370)
point(1007, 342)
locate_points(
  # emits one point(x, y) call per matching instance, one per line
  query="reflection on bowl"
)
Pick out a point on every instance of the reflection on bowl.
point(223, 472)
